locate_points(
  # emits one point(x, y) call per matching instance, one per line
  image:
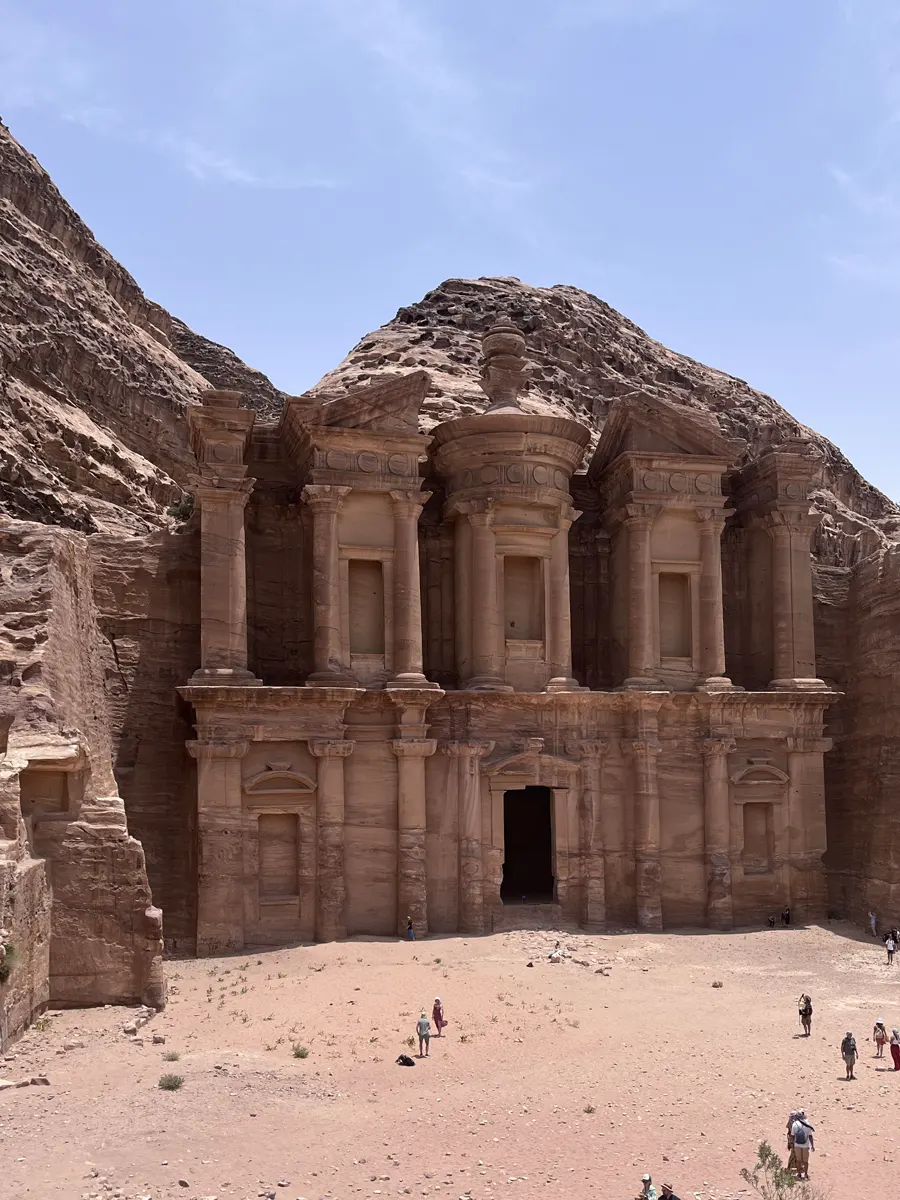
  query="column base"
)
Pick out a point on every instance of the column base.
point(563, 684)
point(642, 683)
point(487, 683)
point(414, 680)
point(717, 683)
point(799, 685)
point(224, 677)
point(335, 679)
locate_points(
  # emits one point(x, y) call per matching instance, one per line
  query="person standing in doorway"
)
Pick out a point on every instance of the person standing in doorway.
point(873, 921)
point(423, 1029)
point(849, 1053)
point(895, 1047)
point(410, 932)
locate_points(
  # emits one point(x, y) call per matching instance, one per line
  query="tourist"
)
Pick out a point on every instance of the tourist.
point(423, 1029)
point(792, 1117)
point(879, 1037)
point(667, 1193)
point(648, 1191)
point(890, 945)
point(556, 953)
point(806, 1011)
point(895, 1047)
point(873, 921)
point(802, 1134)
point(437, 1015)
point(849, 1053)
point(410, 932)
point(785, 916)
point(771, 921)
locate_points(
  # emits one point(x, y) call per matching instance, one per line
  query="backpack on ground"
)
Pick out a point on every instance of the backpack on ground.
point(405, 1061)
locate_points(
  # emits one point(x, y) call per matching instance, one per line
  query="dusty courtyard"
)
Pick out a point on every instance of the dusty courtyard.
point(551, 1080)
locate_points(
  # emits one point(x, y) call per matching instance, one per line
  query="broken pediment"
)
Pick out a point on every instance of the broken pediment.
point(644, 424)
point(391, 405)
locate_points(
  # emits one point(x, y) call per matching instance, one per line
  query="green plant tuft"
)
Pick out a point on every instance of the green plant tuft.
point(170, 1083)
point(171, 1056)
point(183, 509)
point(300, 1051)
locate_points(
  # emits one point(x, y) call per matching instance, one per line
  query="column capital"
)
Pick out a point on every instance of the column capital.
point(640, 516)
point(414, 748)
point(786, 521)
point(408, 503)
point(326, 748)
point(325, 497)
point(809, 745)
point(636, 746)
point(205, 751)
point(590, 751)
point(709, 518)
point(467, 749)
point(482, 513)
point(567, 516)
point(213, 488)
point(717, 747)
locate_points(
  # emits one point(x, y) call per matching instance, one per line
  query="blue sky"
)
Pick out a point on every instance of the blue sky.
point(284, 174)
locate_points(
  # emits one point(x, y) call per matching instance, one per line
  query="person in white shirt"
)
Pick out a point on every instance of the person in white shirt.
point(802, 1135)
point(890, 945)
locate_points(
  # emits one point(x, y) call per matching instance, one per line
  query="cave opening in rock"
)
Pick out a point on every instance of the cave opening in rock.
point(528, 841)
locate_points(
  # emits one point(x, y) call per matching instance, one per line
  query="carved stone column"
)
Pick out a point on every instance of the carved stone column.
point(412, 893)
point(462, 597)
point(648, 873)
point(223, 584)
point(487, 674)
point(329, 669)
point(560, 624)
point(471, 892)
point(717, 826)
point(407, 591)
point(712, 618)
point(638, 525)
point(331, 890)
point(592, 837)
point(806, 825)
point(220, 840)
point(792, 599)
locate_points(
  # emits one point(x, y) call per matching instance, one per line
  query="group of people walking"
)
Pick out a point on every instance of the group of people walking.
point(890, 937)
point(423, 1026)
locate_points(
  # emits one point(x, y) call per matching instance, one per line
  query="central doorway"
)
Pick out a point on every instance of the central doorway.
point(528, 842)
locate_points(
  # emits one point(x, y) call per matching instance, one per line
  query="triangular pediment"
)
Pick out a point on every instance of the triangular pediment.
point(391, 404)
point(644, 424)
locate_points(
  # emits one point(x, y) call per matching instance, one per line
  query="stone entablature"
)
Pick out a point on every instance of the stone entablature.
point(367, 795)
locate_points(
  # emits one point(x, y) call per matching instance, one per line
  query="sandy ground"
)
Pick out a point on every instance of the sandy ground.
point(551, 1080)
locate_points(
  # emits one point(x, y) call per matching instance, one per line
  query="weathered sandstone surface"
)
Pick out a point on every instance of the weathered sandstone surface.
point(99, 585)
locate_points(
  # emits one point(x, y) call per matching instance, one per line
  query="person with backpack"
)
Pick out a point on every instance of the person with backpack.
point(802, 1135)
point(879, 1037)
point(806, 1010)
point(849, 1053)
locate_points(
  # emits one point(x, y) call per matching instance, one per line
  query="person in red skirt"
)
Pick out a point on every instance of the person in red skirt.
point(895, 1047)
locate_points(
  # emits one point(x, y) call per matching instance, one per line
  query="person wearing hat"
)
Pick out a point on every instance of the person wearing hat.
point(648, 1191)
point(667, 1193)
point(849, 1053)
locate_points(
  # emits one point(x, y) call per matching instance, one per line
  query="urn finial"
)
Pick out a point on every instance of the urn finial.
point(503, 371)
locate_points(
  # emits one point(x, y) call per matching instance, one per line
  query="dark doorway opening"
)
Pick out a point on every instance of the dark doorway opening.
point(528, 841)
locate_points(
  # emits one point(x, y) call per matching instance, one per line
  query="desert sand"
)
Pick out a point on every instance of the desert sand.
point(551, 1080)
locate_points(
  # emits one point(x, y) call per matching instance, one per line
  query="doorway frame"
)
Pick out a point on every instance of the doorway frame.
point(553, 840)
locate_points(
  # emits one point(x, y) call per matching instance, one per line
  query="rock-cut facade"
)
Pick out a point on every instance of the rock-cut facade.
point(479, 677)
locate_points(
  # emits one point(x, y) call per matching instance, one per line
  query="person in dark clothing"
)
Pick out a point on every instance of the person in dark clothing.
point(667, 1193)
point(785, 916)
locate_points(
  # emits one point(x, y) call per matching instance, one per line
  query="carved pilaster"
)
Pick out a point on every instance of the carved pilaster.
point(648, 873)
point(471, 871)
point(593, 842)
point(717, 827)
point(331, 891)
point(329, 669)
point(220, 868)
point(412, 891)
point(638, 524)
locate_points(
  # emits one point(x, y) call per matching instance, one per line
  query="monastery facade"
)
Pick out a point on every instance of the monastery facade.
point(456, 677)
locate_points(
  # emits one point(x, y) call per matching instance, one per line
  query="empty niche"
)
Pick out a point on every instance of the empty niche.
point(278, 856)
point(523, 598)
point(759, 839)
point(366, 587)
point(674, 615)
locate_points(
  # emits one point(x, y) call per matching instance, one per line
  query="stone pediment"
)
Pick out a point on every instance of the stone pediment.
point(645, 424)
point(390, 405)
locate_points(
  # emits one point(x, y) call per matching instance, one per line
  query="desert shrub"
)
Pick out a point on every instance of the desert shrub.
point(170, 1083)
point(772, 1181)
point(183, 508)
point(589, 1108)
point(300, 1051)
point(171, 1056)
